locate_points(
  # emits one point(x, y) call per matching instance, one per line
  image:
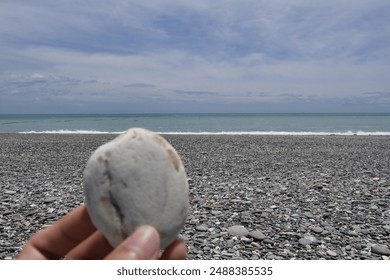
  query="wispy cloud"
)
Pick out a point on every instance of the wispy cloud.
point(381, 94)
point(197, 93)
point(139, 85)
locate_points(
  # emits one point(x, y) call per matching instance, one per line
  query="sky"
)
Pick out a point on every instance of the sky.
point(169, 56)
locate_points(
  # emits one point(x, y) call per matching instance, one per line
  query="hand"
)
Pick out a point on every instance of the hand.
point(75, 237)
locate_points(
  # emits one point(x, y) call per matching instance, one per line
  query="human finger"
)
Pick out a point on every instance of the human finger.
point(143, 244)
point(176, 251)
point(55, 241)
point(95, 247)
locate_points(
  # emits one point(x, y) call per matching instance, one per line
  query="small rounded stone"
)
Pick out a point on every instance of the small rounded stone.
point(238, 230)
point(381, 250)
point(136, 179)
point(257, 234)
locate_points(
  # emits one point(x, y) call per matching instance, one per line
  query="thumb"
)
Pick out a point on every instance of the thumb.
point(143, 244)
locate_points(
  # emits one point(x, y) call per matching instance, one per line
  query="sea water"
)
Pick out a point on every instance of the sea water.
point(262, 124)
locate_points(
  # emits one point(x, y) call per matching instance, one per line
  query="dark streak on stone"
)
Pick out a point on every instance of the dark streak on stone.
point(175, 159)
point(160, 140)
point(118, 211)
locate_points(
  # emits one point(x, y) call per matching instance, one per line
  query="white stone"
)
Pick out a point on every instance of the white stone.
point(331, 253)
point(136, 179)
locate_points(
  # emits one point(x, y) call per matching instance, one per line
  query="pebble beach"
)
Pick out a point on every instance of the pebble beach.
point(251, 196)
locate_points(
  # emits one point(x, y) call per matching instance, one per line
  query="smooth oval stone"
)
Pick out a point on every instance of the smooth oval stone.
point(238, 230)
point(136, 179)
point(307, 240)
point(381, 250)
point(257, 234)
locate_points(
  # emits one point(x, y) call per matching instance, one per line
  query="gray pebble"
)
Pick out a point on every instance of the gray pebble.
point(257, 234)
point(317, 229)
point(374, 207)
point(49, 199)
point(307, 240)
point(304, 241)
point(381, 250)
point(268, 241)
point(386, 213)
point(245, 239)
point(202, 227)
point(331, 253)
point(17, 217)
point(9, 192)
point(309, 215)
point(352, 233)
point(238, 230)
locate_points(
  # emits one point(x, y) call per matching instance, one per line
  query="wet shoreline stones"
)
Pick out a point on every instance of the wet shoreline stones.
point(281, 189)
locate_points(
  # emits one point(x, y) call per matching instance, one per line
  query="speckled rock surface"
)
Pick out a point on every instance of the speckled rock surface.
point(135, 179)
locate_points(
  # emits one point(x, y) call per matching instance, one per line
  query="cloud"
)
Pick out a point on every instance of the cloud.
point(380, 94)
point(380, 98)
point(161, 74)
point(230, 52)
point(277, 29)
point(36, 81)
point(197, 93)
point(139, 85)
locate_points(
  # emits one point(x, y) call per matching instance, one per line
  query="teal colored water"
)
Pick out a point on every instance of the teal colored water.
point(301, 124)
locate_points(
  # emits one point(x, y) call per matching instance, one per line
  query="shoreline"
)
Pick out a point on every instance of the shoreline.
point(227, 133)
point(299, 197)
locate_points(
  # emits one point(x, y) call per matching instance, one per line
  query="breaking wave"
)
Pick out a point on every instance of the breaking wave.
point(303, 133)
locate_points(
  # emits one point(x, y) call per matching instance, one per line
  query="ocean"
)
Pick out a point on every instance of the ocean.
point(256, 124)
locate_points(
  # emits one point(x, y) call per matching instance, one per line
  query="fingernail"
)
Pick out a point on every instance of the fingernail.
point(144, 242)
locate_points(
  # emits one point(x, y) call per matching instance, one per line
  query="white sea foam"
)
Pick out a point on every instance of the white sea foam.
point(65, 131)
point(302, 133)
